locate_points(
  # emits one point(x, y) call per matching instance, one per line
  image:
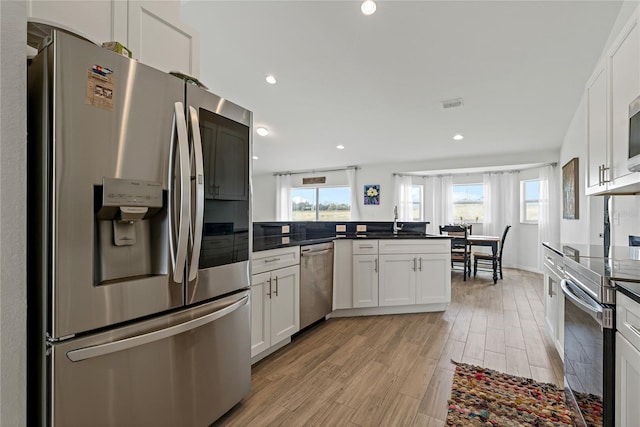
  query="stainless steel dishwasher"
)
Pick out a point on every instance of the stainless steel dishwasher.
point(316, 282)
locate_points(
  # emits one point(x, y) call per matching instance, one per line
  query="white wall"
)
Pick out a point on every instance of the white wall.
point(575, 145)
point(264, 191)
point(13, 42)
point(522, 239)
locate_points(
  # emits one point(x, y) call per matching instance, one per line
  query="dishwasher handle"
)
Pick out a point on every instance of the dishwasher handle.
point(315, 253)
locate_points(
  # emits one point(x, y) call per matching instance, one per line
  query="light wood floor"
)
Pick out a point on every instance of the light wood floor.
point(395, 370)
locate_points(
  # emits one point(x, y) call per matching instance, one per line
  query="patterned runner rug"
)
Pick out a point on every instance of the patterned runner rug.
point(484, 397)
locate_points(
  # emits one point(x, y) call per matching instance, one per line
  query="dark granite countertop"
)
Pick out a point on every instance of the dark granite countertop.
point(620, 264)
point(577, 251)
point(630, 289)
point(283, 241)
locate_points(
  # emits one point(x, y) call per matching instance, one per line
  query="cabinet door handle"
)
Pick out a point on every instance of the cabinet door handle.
point(271, 260)
point(600, 174)
point(633, 328)
point(375, 266)
point(604, 170)
point(276, 285)
point(414, 264)
point(550, 292)
point(420, 263)
point(269, 293)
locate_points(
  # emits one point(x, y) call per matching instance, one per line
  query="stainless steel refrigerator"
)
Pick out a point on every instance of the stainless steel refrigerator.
point(138, 243)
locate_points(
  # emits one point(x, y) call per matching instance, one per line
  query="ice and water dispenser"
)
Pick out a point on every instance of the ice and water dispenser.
point(131, 230)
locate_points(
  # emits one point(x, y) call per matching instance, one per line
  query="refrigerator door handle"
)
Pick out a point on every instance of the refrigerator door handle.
point(127, 343)
point(199, 194)
point(179, 249)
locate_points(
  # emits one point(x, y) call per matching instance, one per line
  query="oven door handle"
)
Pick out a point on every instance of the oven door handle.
point(582, 299)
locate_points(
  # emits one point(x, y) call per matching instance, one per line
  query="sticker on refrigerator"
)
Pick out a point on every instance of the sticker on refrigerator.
point(99, 88)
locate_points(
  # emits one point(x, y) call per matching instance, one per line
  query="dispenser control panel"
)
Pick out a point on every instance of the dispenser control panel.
point(127, 192)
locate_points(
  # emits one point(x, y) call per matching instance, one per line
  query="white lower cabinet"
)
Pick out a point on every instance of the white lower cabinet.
point(554, 298)
point(415, 279)
point(433, 279)
point(397, 285)
point(627, 383)
point(365, 281)
point(402, 272)
point(275, 303)
point(260, 313)
point(627, 361)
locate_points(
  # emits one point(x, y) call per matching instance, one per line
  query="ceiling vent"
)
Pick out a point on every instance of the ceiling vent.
point(452, 103)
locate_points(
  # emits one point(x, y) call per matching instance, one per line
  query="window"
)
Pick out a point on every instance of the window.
point(321, 204)
point(416, 203)
point(530, 201)
point(468, 202)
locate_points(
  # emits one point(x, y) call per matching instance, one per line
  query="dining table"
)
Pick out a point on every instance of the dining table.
point(489, 241)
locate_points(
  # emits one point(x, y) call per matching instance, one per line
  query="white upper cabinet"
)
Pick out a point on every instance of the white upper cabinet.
point(610, 90)
point(158, 38)
point(152, 30)
point(91, 19)
point(624, 71)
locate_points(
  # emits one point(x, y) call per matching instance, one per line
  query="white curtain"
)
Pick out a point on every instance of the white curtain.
point(548, 219)
point(283, 197)
point(353, 186)
point(402, 197)
point(500, 205)
point(438, 207)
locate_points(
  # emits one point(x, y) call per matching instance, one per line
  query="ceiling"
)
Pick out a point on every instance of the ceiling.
point(375, 83)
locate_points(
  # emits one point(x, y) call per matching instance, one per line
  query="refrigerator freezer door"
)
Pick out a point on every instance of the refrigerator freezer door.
point(185, 369)
point(224, 131)
point(113, 121)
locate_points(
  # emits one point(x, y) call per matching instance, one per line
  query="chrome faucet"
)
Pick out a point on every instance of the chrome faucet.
point(396, 227)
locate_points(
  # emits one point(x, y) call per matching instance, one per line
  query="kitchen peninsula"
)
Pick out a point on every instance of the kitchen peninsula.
point(375, 272)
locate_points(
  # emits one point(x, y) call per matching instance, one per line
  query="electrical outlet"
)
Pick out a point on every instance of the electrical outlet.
point(285, 229)
point(341, 228)
point(285, 240)
point(361, 228)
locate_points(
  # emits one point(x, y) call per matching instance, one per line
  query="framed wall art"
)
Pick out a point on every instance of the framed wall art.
point(570, 194)
point(372, 194)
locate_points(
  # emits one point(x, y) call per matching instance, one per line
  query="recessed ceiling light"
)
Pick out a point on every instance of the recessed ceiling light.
point(271, 79)
point(368, 7)
point(458, 137)
point(340, 147)
point(255, 157)
point(262, 131)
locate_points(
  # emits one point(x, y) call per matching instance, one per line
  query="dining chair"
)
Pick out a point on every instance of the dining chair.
point(486, 260)
point(460, 251)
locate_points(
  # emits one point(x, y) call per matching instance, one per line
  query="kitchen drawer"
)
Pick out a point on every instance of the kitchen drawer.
point(553, 262)
point(274, 258)
point(418, 246)
point(628, 318)
point(365, 247)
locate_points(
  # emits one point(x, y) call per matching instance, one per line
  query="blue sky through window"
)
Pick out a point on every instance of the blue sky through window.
point(532, 190)
point(468, 193)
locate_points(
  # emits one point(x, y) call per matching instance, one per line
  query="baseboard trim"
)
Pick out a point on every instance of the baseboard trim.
point(399, 309)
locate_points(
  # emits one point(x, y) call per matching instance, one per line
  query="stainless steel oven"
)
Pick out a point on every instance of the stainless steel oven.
point(589, 346)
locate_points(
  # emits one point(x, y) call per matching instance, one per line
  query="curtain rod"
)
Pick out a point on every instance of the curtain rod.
point(541, 165)
point(315, 171)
